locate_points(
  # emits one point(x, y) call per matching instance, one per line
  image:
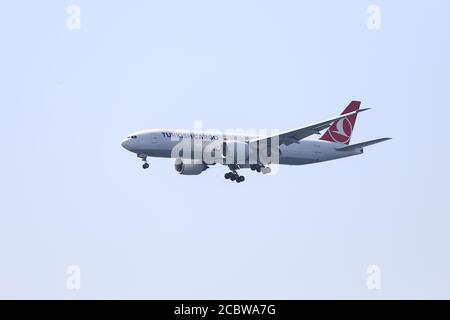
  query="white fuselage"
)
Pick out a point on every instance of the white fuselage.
point(161, 143)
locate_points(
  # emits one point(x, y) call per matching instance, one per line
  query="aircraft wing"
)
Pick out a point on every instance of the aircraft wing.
point(294, 136)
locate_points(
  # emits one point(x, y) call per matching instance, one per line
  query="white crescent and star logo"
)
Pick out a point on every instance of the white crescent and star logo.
point(341, 130)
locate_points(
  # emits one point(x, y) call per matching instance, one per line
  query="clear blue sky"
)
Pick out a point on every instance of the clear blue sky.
point(72, 196)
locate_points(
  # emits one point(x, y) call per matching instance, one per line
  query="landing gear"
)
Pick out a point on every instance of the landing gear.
point(265, 170)
point(144, 158)
point(234, 176)
point(260, 168)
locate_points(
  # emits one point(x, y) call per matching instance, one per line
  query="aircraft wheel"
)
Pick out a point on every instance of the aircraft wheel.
point(232, 177)
point(258, 169)
point(227, 175)
point(145, 166)
point(266, 170)
point(241, 179)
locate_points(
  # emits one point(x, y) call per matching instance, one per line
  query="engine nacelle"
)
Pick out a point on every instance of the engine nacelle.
point(189, 167)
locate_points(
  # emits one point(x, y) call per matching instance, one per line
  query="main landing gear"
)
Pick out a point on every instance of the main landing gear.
point(234, 176)
point(144, 158)
point(260, 168)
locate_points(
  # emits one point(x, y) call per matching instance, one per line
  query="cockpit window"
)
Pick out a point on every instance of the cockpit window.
point(132, 137)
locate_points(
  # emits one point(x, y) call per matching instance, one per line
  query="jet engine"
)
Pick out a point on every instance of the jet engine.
point(189, 167)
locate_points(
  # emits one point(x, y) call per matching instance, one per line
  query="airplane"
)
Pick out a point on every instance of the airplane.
point(200, 150)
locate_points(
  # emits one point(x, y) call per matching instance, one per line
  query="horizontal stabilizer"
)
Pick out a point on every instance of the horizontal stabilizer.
point(362, 144)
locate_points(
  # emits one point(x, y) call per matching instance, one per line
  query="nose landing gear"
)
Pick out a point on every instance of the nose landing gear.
point(144, 158)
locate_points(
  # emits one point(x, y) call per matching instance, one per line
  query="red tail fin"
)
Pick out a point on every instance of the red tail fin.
point(341, 130)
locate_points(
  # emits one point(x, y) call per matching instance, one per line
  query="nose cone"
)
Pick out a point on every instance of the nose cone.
point(126, 144)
